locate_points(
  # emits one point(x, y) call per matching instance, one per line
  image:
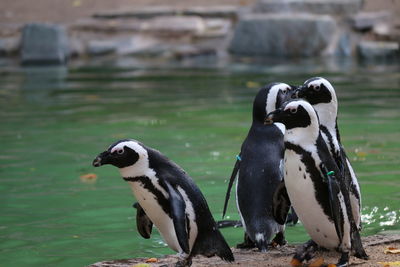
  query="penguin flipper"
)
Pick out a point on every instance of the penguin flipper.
point(280, 203)
point(143, 223)
point(334, 202)
point(177, 206)
point(232, 179)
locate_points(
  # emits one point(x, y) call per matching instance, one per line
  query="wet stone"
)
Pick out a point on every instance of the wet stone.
point(44, 44)
point(283, 35)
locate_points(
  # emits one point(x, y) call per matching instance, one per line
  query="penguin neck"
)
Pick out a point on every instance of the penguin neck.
point(139, 169)
point(303, 136)
point(327, 113)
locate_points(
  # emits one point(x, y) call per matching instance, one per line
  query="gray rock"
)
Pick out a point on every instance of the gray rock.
point(109, 26)
point(212, 11)
point(283, 35)
point(378, 50)
point(215, 28)
point(333, 7)
point(141, 13)
point(344, 46)
point(366, 20)
point(44, 44)
point(174, 25)
point(227, 11)
point(101, 47)
point(9, 45)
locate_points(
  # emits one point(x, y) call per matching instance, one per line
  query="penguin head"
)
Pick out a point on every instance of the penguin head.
point(269, 98)
point(126, 155)
point(317, 90)
point(299, 118)
point(320, 93)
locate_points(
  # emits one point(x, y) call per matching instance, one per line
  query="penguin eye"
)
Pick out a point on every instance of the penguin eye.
point(317, 87)
point(293, 110)
point(120, 151)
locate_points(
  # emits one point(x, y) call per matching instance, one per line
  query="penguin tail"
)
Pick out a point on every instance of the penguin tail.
point(213, 244)
point(357, 246)
point(222, 248)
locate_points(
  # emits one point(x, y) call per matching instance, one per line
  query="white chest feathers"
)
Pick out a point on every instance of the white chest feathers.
point(160, 218)
point(302, 194)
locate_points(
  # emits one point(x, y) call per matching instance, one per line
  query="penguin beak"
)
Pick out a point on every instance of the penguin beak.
point(101, 159)
point(274, 116)
point(299, 93)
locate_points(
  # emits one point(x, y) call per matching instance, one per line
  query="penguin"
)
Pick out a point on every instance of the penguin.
point(258, 168)
point(320, 93)
point(314, 185)
point(169, 199)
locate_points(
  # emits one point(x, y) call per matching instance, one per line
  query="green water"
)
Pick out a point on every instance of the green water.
point(54, 121)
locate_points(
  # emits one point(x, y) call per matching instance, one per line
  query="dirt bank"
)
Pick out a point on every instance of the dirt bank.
point(374, 245)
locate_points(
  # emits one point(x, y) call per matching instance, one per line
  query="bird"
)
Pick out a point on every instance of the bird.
point(259, 170)
point(320, 93)
point(314, 185)
point(169, 198)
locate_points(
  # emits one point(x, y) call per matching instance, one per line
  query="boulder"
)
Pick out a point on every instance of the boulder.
point(378, 50)
point(101, 47)
point(174, 25)
point(333, 7)
point(212, 11)
point(9, 45)
point(366, 20)
point(140, 13)
point(283, 35)
point(44, 44)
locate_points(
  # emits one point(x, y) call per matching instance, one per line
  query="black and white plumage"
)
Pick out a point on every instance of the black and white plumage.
point(259, 171)
point(320, 93)
point(169, 199)
point(313, 183)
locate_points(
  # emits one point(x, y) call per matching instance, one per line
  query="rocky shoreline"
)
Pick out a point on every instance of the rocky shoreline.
point(266, 28)
point(376, 247)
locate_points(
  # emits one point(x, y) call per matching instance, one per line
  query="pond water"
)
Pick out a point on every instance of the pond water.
point(54, 121)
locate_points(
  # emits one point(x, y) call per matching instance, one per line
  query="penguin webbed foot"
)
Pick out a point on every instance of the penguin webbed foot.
point(184, 262)
point(304, 252)
point(279, 240)
point(247, 243)
point(344, 260)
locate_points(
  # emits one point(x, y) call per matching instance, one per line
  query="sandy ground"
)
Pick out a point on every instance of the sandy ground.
point(375, 247)
point(68, 11)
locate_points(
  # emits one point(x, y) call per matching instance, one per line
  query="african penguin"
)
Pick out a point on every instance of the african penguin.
point(259, 170)
point(321, 95)
point(313, 184)
point(169, 199)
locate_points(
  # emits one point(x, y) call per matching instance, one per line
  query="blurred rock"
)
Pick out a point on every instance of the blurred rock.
point(333, 7)
point(122, 46)
point(184, 51)
point(9, 45)
point(283, 35)
point(141, 13)
point(215, 28)
point(44, 44)
point(101, 47)
point(366, 20)
point(344, 47)
point(149, 12)
point(76, 47)
point(378, 50)
point(212, 11)
point(174, 25)
point(109, 26)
